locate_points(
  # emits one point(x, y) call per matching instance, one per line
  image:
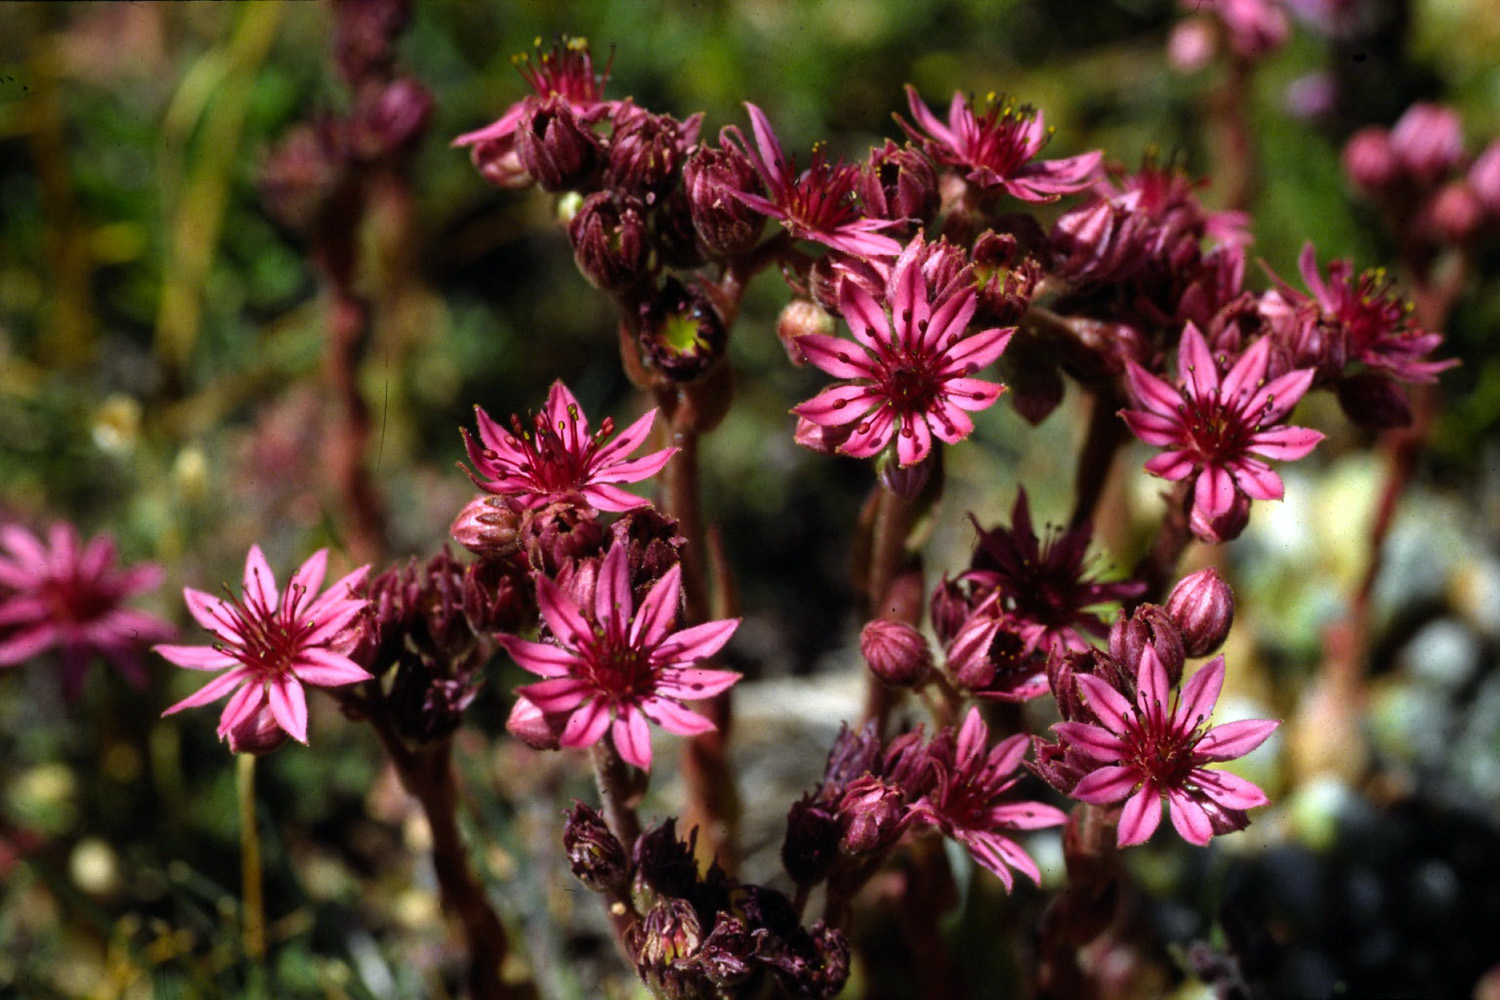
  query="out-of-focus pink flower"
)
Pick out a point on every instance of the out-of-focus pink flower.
point(1312, 95)
point(1220, 429)
point(1191, 45)
point(271, 644)
point(911, 366)
point(1149, 753)
point(1045, 586)
point(968, 802)
point(1428, 141)
point(820, 204)
point(71, 596)
point(1484, 179)
point(560, 460)
point(1255, 28)
point(997, 148)
point(1369, 160)
point(621, 664)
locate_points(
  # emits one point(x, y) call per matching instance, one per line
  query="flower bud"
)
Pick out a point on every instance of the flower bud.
point(497, 596)
point(682, 334)
point(488, 526)
point(653, 546)
point(1454, 214)
point(258, 734)
point(727, 956)
point(896, 652)
point(870, 815)
point(647, 150)
point(364, 33)
point(812, 838)
point(393, 122)
point(1375, 401)
point(1369, 160)
point(1031, 373)
point(425, 706)
point(609, 241)
point(532, 726)
point(711, 175)
point(1005, 281)
point(303, 175)
point(1152, 626)
point(1428, 141)
point(556, 147)
point(1191, 45)
point(666, 939)
point(906, 481)
point(558, 534)
point(799, 318)
point(1202, 605)
point(498, 162)
point(594, 853)
point(1224, 528)
point(898, 183)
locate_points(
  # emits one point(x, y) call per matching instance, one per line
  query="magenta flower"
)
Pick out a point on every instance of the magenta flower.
point(567, 71)
point(619, 664)
point(270, 644)
point(1044, 585)
point(820, 204)
point(968, 802)
point(72, 597)
point(911, 366)
point(997, 148)
point(1220, 429)
point(1148, 754)
point(560, 460)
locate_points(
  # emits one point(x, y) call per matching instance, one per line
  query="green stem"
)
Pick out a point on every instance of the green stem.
point(253, 905)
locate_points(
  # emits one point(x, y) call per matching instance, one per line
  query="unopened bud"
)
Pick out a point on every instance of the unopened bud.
point(898, 183)
point(597, 857)
point(812, 837)
point(609, 241)
point(1369, 160)
point(532, 726)
point(1224, 528)
point(1151, 626)
point(896, 652)
point(668, 937)
point(727, 956)
point(394, 121)
point(870, 815)
point(1428, 141)
point(1455, 213)
point(488, 526)
point(258, 734)
point(1375, 401)
point(558, 150)
point(647, 150)
point(799, 318)
point(711, 176)
point(498, 162)
point(1202, 605)
point(559, 534)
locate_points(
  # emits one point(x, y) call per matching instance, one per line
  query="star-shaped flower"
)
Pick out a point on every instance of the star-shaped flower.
point(271, 644)
point(72, 596)
point(997, 148)
point(1220, 429)
point(560, 460)
point(911, 365)
point(1149, 753)
point(617, 664)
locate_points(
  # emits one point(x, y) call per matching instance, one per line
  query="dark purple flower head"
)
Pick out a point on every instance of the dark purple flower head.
point(990, 657)
point(1157, 750)
point(969, 802)
point(616, 664)
point(1220, 429)
point(910, 367)
point(1044, 586)
point(271, 644)
point(72, 596)
point(559, 460)
point(819, 204)
point(567, 71)
point(996, 149)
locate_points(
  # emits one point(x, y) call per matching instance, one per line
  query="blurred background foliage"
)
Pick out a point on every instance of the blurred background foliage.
point(160, 350)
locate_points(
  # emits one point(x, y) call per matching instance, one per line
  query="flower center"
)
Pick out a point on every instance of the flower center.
point(618, 671)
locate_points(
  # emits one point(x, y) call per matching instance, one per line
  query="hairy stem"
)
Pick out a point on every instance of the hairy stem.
point(618, 791)
point(1106, 435)
point(253, 907)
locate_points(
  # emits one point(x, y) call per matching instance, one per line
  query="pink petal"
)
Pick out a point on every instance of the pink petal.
point(913, 440)
point(309, 576)
point(837, 357)
point(1213, 494)
point(26, 546)
point(771, 156)
point(342, 590)
point(1107, 703)
point(325, 668)
point(289, 707)
point(557, 694)
point(1195, 365)
point(561, 613)
point(213, 690)
point(1153, 428)
point(636, 469)
point(948, 423)
point(1257, 480)
point(865, 317)
point(563, 412)
point(1285, 444)
point(870, 435)
point(243, 704)
point(1235, 739)
point(925, 118)
point(1091, 741)
point(612, 602)
point(1228, 790)
point(839, 404)
point(542, 659)
point(976, 351)
point(23, 645)
point(998, 854)
point(1196, 703)
point(1189, 818)
point(196, 657)
point(1152, 686)
point(693, 683)
point(627, 440)
point(260, 582)
point(674, 718)
point(1277, 399)
point(633, 737)
point(1139, 818)
point(211, 612)
point(1027, 816)
point(1153, 393)
point(493, 435)
point(1108, 784)
point(658, 611)
point(1172, 465)
point(951, 318)
point(1247, 372)
point(971, 393)
point(694, 644)
point(332, 622)
point(604, 497)
point(586, 725)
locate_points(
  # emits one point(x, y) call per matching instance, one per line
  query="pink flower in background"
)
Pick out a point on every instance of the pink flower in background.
point(820, 204)
point(71, 596)
point(911, 366)
point(968, 800)
point(560, 460)
point(619, 664)
point(271, 644)
point(997, 148)
point(1220, 430)
point(1149, 754)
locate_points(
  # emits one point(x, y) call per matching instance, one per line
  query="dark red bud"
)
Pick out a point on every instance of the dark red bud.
point(1369, 161)
point(257, 735)
point(1224, 528)
point(710, 176)
point(646, 151)
point(896, 652)
point(487, 526)
point(597, 857)
point(1152, 626)
point(1375, 401)
point(556, 147)
point(394, 121)
point(532, 726)
point(812, 837)
point(609, 241)
point(899, 183)
point(870, 815)
point(1202, 605)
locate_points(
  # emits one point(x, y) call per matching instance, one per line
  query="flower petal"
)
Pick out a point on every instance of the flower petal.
point(1196, 703)
point(1140, 817)
point(1107, 703)
point(213, 690)
point(1189, 818)
point(1091, 741)
point(1234, 739)
point(586, 725)
point(1228, 790)
point(694, 644)
point(633, 737)
point(674, 718)
point(1108, 784)
point(289, 707)
point(694, 683)
point(837, 357)
point(541, 658)
point(196, 657)
point(658, 612)
point(839, 404)
point(260, 582)
point(325, 668)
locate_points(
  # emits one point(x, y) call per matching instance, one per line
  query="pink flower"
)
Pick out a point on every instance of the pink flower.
point(820, 204)
point(1045, 586)
point(619, 664)
point(1148, 754)
point(270, 644)
point(560, 460)
point(567, 71)
point(72, 597)
point(997, 148)
point(911, 365)
point(1220, 429)
point(1428, 141)
point(968, 801)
